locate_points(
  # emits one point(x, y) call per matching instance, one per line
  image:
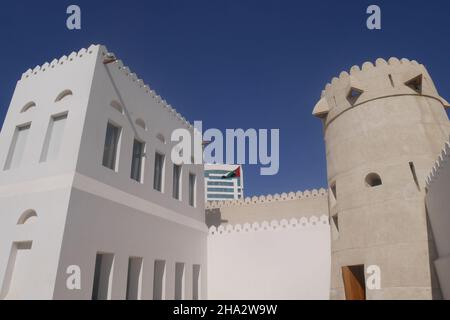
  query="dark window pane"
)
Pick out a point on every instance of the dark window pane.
point(176, 181)
point(159, 167)
point(220, 196)
point(192, 189)
point(136, 161)
point(229, 190)
point(110, 150)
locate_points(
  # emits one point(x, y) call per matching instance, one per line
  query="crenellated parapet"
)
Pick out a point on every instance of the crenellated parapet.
point(439, 165)
point(274, 225)
point(268, 199)
point(133, 77)
point(118, 64)
point(375, 81)
point(58, 63)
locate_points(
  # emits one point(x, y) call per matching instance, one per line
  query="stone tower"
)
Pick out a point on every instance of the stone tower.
point(384, 126)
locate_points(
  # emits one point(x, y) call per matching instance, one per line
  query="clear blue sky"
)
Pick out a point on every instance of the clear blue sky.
point(235, 63)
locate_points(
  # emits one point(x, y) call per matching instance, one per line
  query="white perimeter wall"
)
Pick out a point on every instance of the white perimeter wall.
point(277, 260)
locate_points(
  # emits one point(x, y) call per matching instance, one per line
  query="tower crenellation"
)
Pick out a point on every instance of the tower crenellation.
point(375, 81)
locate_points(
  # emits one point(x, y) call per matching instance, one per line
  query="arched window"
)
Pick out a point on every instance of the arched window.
point(28, 106)
point(116, 105)
point(63, 95)
point(373, 180)
point(26, 216)
point(161, 138)
point(141, 123)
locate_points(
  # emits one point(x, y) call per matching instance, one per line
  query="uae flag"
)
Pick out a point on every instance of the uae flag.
point(233, 174)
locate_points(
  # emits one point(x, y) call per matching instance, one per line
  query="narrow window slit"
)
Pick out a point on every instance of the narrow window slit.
point(392, 81)
point(414, 174)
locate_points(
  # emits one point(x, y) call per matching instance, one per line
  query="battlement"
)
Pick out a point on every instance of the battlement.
point(374, 81)
point(57, 63)
point(267, 199)
point(439, 164)
point(274, 225)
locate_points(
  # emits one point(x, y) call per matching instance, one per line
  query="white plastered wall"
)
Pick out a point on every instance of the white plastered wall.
point(40, 186)
point(277, 260)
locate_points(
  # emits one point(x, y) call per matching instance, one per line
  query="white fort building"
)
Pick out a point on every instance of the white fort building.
point(92, 207)
point(87, 180)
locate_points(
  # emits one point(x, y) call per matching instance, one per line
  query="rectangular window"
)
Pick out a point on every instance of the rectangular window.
point(111, 145)
point(17, 147)
point(158, 174)
point(179, 281)
point(103, 276)
point(134, 280)
point(159, 279)
point(192, 193)
point(53, 138)
point(196, 282)
point(226, 190)
point(220, 196)
point(17, 275)
point(215, 183)
point(176, 181)
point(137, 160)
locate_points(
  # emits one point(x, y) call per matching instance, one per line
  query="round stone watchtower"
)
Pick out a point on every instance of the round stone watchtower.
point(384, 126)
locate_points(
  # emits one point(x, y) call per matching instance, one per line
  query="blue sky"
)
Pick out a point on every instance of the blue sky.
point(235, 63)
